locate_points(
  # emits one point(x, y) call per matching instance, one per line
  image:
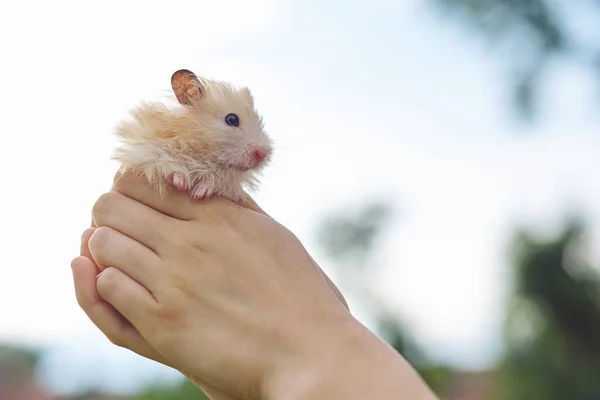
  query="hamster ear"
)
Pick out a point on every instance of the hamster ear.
point(186, 86)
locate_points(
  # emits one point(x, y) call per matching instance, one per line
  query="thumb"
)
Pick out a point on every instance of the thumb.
point(249, 203)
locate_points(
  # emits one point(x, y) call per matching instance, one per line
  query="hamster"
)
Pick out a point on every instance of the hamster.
point(212, 143)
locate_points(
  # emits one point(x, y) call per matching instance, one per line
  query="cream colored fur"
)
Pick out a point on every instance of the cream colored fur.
point(195, 141)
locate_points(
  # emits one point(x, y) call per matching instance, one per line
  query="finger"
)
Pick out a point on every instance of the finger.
point(112, 324)
point(128, 297)
point(174, 203)
point(132, 218)
point(249, 203)
point(116, 328)
point(84, 249)
point(110, 248)
point(332, 286)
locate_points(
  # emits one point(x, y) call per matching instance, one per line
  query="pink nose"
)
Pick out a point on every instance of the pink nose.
point(259, 155)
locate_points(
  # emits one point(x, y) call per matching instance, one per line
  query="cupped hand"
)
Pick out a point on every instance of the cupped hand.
point(114, 326)
point(220, 292)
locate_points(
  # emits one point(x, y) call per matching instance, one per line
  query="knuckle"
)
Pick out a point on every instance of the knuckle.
point(189, 240)
point(194, 245)
point(168, 315)
point(99, 240)
point(106, 281)
point(171, 327)
point(213, 239)
point(115, 339)
point(182, 284)
point(105, 203)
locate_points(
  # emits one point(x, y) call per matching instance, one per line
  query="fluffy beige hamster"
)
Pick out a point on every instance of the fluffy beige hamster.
point(212, 143)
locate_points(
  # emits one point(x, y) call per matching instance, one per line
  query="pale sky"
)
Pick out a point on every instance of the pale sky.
point(380, 99)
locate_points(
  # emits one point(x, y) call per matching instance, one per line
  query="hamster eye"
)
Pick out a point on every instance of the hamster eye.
point(232, 120)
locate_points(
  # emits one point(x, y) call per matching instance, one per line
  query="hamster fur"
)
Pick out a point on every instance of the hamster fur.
point(212, 143)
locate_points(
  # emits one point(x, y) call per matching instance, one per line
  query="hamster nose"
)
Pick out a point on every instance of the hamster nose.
point(258, 155)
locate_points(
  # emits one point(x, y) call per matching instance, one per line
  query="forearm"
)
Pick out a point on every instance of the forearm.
point(358, 366)
point(395, 380)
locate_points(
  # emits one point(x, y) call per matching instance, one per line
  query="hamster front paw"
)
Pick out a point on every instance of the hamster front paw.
point(202, 190)
point(178, 180)
point(198, 191)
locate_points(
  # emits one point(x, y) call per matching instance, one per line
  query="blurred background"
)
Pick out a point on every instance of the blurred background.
point(438, 158)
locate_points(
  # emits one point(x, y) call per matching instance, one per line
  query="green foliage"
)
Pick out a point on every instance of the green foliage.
point(553, 327)
point(350, 238)
point(16, 355)
point(186, 390)
point(437, 377)
point(537, 32)
point(17, 364)
point(94, 394)
point(183, 390)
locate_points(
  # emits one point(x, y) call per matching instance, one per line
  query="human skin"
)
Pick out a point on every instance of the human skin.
point(242, 309)
point(116, 328)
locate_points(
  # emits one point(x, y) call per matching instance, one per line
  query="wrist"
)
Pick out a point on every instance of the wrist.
point(344, 360)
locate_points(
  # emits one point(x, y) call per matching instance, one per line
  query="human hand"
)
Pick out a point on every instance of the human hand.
point(108, 319)
point(114, 326)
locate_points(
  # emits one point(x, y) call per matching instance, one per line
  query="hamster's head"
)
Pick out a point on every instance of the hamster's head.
point(226, 127)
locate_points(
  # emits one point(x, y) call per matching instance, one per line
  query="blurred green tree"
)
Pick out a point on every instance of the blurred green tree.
point(18, 373)
point(95, 394)
point(537, 34)
point(553, 325)
point(350, 239)
point(185, 390)
point(17, 364)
